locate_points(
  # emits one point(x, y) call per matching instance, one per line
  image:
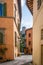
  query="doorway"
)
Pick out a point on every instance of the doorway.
point(41, 54)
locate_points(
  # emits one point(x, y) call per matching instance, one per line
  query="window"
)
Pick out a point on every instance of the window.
point(15, 39)
point(15, 12)
point(18, 26)
point(1, 36)
point(29, 34)
point(1, 58)
point(38, 3)
point(31, 49)
point(3, 9)
point(29, 42)
point(42, 34)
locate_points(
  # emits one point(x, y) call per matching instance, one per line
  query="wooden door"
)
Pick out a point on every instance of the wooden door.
point(41, 54)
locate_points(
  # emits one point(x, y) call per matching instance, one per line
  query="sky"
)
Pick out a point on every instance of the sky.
point(27, 18)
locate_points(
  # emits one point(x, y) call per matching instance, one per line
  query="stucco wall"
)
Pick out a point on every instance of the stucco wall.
point(29, 39)
point(37, 25)
point(8, 41)
point(16, 49)
point(10, 26)
point(27, 36)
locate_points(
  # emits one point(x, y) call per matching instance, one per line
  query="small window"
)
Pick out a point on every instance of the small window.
point(1, 36)
point(3, 9)
point(19, 27)
point(31, 49)
point(1, 58)
point(15, 12)
point(38, 4)
point(29, 42)
point(42, 34)
point(29, 34)
point(15, 39)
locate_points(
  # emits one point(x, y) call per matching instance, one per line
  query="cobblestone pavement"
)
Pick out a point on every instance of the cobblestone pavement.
point(22, 60)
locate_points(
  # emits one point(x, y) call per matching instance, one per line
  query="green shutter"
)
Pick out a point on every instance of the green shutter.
point(1, 38)
point(4, 9)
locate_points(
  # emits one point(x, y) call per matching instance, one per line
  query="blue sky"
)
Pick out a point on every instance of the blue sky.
point(27, 18)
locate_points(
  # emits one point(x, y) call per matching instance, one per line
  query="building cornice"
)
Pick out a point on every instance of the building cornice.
point(29, 4)
point(28, 29)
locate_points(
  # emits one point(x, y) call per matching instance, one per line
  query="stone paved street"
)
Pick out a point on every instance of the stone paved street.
point(22, 60)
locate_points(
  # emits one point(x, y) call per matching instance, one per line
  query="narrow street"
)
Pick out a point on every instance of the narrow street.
point(22, 60)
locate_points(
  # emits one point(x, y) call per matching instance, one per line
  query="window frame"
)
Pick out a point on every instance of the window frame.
point(4, 9)
point(3, 32)
point(29, 35)
point(38, 4)
point(15, 39)
point(41, 34)
point(29, 43)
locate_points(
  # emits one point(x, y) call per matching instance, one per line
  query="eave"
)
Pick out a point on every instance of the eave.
point(29, 4)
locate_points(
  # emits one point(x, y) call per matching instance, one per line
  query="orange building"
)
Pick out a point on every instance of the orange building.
point(10, 17)
point(29, 41)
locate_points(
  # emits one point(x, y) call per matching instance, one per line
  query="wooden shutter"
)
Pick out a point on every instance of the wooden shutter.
point(0, 9)
point(4, 9)
point(42, 34)
point(1, 37)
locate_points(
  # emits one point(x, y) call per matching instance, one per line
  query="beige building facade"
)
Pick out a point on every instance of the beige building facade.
point(9, 29)
point(38, 32)
point(37, 9)
point(17, 26)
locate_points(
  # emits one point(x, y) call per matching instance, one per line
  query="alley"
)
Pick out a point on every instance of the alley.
point(22, 60)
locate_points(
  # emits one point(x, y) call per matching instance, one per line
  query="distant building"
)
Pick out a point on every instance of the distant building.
point(10, 19)
point(29, 38)
point(23, 30)
point(36, 8)
point(22, 42)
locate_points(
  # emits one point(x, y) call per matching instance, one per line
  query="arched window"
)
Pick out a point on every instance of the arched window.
point(1, 37)
point(38, 4)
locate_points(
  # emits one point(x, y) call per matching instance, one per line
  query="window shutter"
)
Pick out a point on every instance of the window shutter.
point(1, 37)
point(19, 27)
point(0, 9)
point(41, 34)
point(4, 9)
